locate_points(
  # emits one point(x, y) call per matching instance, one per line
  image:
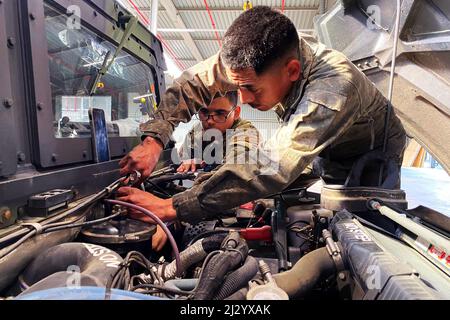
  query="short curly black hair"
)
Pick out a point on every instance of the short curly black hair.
point(231, 96)
point(258, 38)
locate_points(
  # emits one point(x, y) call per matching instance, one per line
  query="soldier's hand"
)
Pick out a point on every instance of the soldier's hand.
point(159, 239)
point(162, 208)
point(190, 165)
point(143, 159)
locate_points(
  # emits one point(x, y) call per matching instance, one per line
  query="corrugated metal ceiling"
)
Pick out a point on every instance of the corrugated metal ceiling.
point(196, 19)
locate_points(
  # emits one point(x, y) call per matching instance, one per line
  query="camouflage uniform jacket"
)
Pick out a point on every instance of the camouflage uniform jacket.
point(196, 143)
point(334, 112)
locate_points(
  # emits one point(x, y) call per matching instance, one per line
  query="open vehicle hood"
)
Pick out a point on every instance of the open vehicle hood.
point(364, 31)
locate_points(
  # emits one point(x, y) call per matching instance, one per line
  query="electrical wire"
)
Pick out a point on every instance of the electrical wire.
point(160, 223)
point(285, 192)
point(84, 224)
point(159, 188)
point(84, 205)
point(122, 279)
point(298, 235)
point(297, 229)
point(297, 221)
point(18, 243)
point(161, 288)
point(53, 228)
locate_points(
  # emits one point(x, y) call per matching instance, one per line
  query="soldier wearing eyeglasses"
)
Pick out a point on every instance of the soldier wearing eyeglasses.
point(206, 145)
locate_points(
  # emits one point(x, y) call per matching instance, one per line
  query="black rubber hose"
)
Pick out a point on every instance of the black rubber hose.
point(194, 254)
point(214, 272)
point(210, 233)
point(16, 261)
point(94, 261)
point(213, 242)
point(238, 279)
point(306, 273)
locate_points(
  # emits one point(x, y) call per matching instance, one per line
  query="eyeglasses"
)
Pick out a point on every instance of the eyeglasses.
point(220, 117)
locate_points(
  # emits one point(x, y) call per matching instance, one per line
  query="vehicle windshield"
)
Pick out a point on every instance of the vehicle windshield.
point(125, 92)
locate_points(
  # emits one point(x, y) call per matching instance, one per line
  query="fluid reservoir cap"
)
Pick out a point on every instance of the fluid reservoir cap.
point(267, 292)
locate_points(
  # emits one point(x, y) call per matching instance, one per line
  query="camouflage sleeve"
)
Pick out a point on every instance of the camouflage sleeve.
point(319, 119)
point(194, 89)
point(184, 150)
point(239, 142)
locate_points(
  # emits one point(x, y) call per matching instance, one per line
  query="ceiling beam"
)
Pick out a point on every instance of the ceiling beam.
point(193, 30)
point(179, 23)
point(234, 9)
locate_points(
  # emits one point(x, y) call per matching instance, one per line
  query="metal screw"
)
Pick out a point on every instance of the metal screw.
point(21, 157)
point(32, 16)
point(321, 240)
point(54, 157)
point(39, 106)
point(263, 267)
point(342, 276)
point(84, 154)
point(95, 13)
point(323, 220)
point(11, 42)
point(8, 103)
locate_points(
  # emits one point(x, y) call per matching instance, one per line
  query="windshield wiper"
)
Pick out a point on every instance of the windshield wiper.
point(107, 63)
point(100, 73)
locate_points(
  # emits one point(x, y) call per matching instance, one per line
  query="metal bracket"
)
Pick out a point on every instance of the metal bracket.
point(367, 64)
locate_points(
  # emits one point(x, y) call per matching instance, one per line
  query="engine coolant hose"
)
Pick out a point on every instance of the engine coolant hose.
point(306, 273)
point(235, 251)
point(238, 279)
point(193, 254)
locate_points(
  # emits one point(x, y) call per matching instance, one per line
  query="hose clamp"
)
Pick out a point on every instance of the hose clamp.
point(37, 226)
point(333, 250)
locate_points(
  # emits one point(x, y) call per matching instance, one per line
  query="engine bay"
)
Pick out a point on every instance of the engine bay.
point(293, 245)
